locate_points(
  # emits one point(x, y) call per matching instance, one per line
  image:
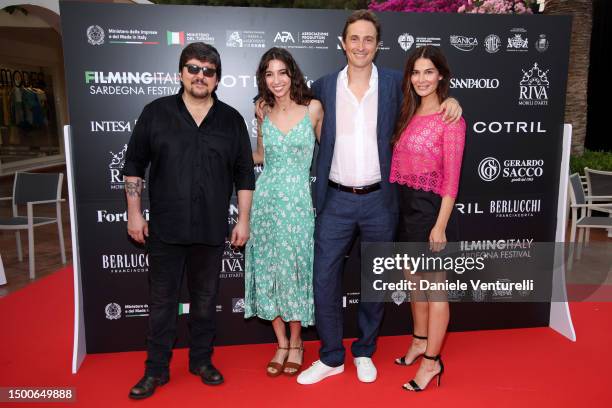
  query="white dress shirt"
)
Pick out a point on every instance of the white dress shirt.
point(355, 162)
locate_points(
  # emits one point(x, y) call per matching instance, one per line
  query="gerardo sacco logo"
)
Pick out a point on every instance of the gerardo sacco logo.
point(489, 169)
point(515, 171)
point(474, 83)
point(125, 263)
point(112, 311)
point(95, 35)
point(534, 87)
point(492, 43)
point(463, 43)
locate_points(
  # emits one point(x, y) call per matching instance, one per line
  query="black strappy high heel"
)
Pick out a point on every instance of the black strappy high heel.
point(415, 386)
point(402, 360)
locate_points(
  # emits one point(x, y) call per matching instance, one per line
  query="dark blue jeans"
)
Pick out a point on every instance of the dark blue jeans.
point(343, 217)
point(168, 263)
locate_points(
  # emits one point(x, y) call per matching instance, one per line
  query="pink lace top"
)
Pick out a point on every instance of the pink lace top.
point(428, 155)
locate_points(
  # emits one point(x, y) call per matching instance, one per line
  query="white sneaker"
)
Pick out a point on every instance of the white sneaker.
point(317, 372)
point(366, 370)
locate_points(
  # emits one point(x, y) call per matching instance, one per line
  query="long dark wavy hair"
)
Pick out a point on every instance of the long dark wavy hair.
point(411, 99)
point(298, 92)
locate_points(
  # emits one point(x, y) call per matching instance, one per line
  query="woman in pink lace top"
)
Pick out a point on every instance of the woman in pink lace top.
point(426, 164)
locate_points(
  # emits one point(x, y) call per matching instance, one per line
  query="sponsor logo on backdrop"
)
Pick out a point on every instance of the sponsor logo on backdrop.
point(541, 44)
point(112, 311)
point(284, 37)
point(352, 298)
point(518, 41)
point(232, 261)
point(406, 41)
point(469, 208)
point(301, 40)
point(509, 127)
point(463, 43)
point(237, 305)
point(105, 216)
point(95, 35)
point(125, 263)
point(110, 126)
point(515, 208)
point(136, 310)
point(534, 87)
point(492, 43)
point(497, 248)
point(244, 81)
point(490, 169)
point(115, 166)
point(501, 208)
point(245, 39)
point(474, 83)
point(232, 216)
point(183, 308)
point(132, 83)
point(398, 297)
point(182, 37)
point(383, 47)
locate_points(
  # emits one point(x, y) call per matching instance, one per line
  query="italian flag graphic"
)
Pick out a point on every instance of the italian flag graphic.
point(183, 308)
point(176, 37)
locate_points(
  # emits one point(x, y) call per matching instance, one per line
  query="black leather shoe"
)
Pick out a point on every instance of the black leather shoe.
point(209, 374)
point(146, 386)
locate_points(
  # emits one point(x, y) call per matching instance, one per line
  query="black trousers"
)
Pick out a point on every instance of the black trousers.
point(168, 263)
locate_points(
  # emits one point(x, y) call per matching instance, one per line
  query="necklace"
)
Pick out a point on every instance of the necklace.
point(284, 108)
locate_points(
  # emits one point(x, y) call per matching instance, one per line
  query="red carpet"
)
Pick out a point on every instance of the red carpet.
point(505, 368)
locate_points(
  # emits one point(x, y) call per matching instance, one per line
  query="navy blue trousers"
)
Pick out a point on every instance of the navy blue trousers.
point(343, 217)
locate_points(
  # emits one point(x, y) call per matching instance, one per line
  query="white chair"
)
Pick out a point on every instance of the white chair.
point(599, 185)
point(578, 200)
point(31, 189)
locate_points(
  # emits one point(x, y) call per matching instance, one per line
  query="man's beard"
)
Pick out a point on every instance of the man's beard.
point(200, 93)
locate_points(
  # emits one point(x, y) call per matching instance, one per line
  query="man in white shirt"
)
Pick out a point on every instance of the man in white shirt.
point(353, 193)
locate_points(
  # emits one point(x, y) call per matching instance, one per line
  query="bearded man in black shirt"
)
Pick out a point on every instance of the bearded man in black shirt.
point(198, 150)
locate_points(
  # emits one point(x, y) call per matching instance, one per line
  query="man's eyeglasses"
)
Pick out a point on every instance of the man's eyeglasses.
point(195, 69)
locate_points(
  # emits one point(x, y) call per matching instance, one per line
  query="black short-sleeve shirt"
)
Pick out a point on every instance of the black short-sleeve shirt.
point(193, 168)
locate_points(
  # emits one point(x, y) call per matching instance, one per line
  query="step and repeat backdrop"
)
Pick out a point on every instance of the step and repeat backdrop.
point(509, 75)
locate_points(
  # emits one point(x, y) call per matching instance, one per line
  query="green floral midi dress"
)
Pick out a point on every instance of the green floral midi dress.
point(279, 253)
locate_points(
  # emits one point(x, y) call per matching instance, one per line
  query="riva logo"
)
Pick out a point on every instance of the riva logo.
point(534, 87)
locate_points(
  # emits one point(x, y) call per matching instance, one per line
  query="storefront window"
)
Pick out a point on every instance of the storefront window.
point(28, 118)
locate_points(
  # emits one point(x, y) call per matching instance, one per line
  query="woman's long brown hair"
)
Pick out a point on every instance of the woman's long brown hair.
point(298, 91)
point(411, 99)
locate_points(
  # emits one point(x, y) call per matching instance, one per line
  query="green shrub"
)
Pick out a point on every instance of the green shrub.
point(592, 160)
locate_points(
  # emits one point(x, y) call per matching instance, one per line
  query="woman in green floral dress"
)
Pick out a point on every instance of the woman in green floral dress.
point(279, 254)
